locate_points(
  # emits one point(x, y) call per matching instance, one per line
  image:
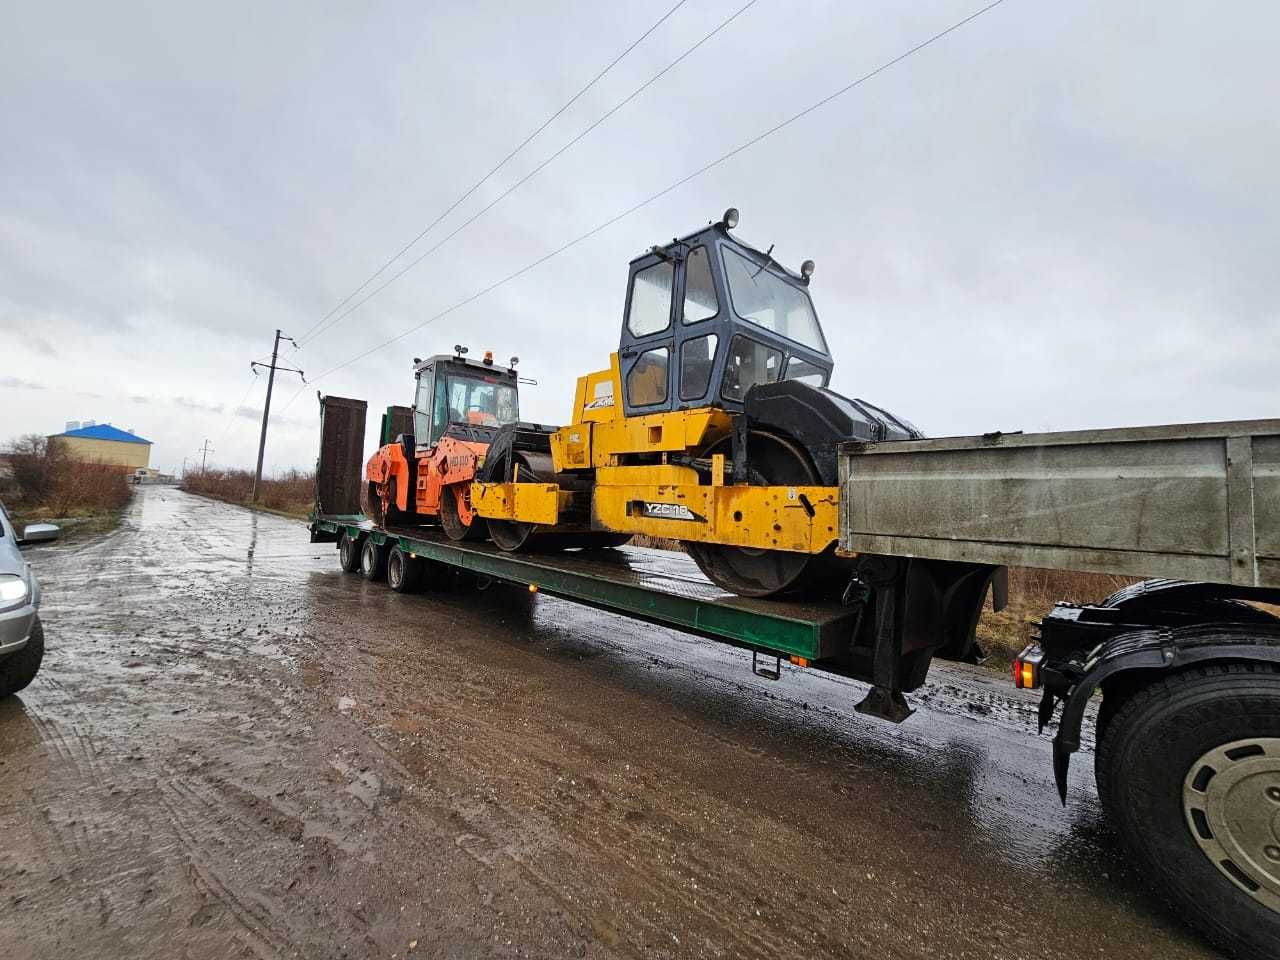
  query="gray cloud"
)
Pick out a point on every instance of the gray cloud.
point(17, 383)
point(1046, 219)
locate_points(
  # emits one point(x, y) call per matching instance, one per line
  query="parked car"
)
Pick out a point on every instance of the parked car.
point(21, 633)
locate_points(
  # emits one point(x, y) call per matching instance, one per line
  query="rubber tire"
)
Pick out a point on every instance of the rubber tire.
point(18, 669)
point(1144, 755)
point(349, 554)
point(451, 520)
point(373, 561)
point(404, 573)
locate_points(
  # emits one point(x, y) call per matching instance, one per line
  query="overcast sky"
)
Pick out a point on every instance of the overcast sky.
point(1062, 215)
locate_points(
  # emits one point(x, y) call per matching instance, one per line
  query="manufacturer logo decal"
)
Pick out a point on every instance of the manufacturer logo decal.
point(601, 402)
point(668, 511)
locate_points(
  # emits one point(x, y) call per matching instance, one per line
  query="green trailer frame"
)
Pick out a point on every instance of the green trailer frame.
point(649, 585)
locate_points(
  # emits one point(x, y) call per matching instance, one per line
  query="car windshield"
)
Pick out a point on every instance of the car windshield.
point(767, 300)
point(482, 401)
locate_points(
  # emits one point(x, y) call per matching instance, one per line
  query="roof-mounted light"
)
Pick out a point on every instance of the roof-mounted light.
point(806, 269)
point(459, 349)
point(730, 219)
point(514, 361)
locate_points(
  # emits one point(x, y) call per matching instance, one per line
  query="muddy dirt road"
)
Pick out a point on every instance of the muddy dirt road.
point(236, 750)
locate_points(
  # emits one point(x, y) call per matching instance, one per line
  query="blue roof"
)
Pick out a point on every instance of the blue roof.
point(104, 431)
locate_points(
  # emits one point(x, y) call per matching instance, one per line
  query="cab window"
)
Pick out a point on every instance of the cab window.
point(805, 372)
point(647, 379)
point(749, 363)
point(697, 358)
point(651, 300)
point(422, 408)
point(700, 301)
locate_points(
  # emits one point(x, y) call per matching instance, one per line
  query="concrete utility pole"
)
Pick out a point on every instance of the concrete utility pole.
point(204, 453)
point(266, 407)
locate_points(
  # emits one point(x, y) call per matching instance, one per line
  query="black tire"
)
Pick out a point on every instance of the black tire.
point(404, 573)
point(1152, 769)
point(349, 553)
point(451, 520)
point(373, 560)
point(18, 669)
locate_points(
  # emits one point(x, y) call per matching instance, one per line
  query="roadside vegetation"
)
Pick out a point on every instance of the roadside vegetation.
point(44, 484)
point(290, 493)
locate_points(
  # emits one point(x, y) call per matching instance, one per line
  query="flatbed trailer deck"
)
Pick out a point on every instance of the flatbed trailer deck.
point(658, 586)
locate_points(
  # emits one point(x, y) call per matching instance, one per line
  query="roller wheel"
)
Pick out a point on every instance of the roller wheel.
point(349, 553)
point(754, 571)
point(451, 519)
point(1189, 770)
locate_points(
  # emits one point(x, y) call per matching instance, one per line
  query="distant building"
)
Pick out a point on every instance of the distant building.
point(103, 443)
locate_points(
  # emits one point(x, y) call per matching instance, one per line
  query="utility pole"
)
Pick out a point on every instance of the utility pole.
point(184, 467)
point(204, 453)
point(266, 407)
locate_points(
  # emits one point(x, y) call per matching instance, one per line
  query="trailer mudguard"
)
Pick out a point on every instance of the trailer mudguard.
point(1169, 648)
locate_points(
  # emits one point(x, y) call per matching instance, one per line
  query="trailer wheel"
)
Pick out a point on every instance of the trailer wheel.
point(1189, 769)
point(349, 553)
point(404, 573)
point(373, 560)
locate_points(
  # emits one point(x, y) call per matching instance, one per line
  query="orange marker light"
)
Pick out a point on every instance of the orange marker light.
point(1026, 668)
point(799, 661)
point(488, 358)
point(533, 588)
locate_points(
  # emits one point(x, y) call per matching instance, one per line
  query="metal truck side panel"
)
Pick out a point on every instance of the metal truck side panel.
point(1192, 502)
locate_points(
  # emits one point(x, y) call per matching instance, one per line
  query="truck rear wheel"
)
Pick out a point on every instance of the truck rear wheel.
point(1189, 769)
point(373, 560)
point(404, 573)
point(17, 670)
point(349, 553)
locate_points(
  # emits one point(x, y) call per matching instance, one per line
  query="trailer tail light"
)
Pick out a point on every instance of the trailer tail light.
point(1026, 667)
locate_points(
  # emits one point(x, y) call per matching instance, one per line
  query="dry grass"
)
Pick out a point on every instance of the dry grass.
point(47, 484)
point(291, 493)
point(1032, 593)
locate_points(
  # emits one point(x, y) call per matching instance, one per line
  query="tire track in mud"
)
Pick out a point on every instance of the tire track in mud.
point(184, 806)
point(494, 834)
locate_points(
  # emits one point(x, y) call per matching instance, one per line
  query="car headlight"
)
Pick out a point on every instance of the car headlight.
point(12, 589)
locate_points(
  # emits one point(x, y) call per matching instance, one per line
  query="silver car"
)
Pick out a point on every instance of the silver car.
point(21, 634)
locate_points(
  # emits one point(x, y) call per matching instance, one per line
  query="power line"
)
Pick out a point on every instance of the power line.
point(323, 327)
point(666, 190)
point(501, 163)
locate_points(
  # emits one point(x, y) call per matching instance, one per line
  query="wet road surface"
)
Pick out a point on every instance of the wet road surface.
point(235, 750)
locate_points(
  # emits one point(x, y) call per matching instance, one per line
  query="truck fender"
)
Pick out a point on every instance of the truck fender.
point(1163, 649)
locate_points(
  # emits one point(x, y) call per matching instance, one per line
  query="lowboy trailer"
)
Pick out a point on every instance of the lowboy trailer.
point(1187, 664)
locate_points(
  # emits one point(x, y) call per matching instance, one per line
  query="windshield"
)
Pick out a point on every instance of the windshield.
point(482, 401)
point(765, 299)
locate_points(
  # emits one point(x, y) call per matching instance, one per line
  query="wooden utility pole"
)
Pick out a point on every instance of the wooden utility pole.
point(204, 453)
point(266, 407)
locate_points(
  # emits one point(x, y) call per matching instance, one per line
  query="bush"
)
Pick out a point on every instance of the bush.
point(290, 492)
point(47, 479)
